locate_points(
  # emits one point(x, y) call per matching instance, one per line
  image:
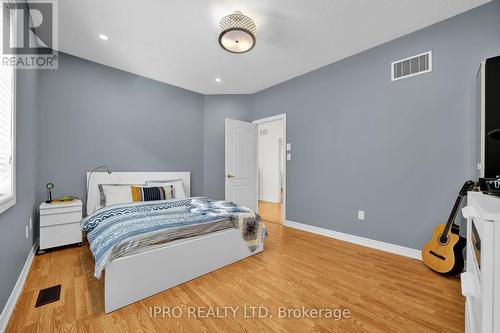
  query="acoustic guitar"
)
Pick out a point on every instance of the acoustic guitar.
point(444, 252)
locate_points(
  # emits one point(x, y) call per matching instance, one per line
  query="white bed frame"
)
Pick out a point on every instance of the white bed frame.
point(142, 274)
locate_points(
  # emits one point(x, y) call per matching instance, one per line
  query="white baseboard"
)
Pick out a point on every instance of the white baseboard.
point(374, 244)
point(18, 288)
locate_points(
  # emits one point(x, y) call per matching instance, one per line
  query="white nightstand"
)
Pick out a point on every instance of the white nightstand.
point(60, 224)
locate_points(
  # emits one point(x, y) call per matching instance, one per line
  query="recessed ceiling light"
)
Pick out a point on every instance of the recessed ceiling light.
point(218, 80)
point(103, 37)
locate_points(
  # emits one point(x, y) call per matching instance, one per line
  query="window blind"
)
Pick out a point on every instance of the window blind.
point(6, 127)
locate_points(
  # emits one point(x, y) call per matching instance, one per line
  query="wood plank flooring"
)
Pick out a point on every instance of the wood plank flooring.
point(271, 211)
point(384, 292)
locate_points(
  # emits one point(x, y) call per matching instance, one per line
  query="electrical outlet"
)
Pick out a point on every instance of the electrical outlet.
point(361, 215)
point(288, 146)
point(288, 157)
point(27, 233)
point(478, 166)
point(31, 223)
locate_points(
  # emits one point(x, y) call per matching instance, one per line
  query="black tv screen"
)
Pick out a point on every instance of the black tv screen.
point(492, 118)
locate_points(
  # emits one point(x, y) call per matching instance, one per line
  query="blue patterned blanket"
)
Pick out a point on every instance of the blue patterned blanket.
point(118, 230)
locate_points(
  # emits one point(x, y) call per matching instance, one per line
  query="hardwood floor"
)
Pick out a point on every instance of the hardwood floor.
point(271, 211)
point(384, 292)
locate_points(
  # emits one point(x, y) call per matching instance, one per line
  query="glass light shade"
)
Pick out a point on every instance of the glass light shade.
point(237, 33)
point(237, 41)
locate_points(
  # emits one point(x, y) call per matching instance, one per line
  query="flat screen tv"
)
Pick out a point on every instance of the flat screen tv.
point(490, 118)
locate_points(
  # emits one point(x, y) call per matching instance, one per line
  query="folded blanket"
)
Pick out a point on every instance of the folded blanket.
point(117, 230)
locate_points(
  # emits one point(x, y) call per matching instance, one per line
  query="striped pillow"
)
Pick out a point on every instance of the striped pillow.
point(152, 193)
point(112, 194)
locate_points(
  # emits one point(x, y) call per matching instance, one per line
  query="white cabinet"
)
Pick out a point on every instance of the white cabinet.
point(60, 224)
point(481, 279)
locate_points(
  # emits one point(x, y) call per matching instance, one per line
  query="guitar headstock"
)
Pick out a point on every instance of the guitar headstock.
point(468, 186)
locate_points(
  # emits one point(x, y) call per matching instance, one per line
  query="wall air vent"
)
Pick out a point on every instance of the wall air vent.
point(263, 132)
point(419, 64)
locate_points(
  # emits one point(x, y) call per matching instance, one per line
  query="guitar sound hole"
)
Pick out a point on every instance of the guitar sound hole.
point(443, 240)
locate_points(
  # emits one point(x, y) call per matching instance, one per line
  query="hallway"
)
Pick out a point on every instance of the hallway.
point(271, 211)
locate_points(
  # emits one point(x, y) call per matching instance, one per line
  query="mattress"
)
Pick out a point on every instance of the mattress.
point(121, 230)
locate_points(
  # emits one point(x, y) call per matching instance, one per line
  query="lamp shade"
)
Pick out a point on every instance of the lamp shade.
point(237, 33)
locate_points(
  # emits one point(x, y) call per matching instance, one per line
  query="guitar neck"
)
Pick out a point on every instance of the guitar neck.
point(453, 215)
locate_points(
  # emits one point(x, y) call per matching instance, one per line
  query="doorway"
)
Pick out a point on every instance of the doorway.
point(271, 168)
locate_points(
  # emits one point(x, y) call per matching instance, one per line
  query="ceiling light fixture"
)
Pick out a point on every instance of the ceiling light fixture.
point(103, 37)
point(218, 80)
point(237, 33)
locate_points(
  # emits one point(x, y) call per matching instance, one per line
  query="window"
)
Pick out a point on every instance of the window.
point(7, 135)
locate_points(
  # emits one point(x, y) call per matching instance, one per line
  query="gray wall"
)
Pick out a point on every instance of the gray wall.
point(216, 109)
point(92, 114)
point(14, 247)
point(400, 151)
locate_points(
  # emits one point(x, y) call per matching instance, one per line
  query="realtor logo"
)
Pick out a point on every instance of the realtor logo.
point(29, 34)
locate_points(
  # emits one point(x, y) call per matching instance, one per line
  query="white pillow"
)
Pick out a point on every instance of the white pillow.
point(116, 194)
point(178, 186)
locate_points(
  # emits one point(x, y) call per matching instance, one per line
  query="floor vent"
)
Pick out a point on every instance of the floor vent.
point(48, 295)
point(419, 64)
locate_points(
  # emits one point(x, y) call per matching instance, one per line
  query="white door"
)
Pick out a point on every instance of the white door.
point(241, 164)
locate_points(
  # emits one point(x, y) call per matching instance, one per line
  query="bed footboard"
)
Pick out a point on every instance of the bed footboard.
point(140, 275)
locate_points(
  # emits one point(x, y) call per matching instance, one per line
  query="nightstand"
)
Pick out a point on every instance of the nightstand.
point(60, 224)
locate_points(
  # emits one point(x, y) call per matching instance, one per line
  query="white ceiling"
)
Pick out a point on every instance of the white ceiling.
point(176, 41)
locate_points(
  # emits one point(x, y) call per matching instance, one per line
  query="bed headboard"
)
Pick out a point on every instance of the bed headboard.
point(130, 178)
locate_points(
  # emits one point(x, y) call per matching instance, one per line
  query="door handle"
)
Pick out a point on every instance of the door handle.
point(230, 176)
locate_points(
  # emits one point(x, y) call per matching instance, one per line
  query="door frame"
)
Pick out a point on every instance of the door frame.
point(282, 117)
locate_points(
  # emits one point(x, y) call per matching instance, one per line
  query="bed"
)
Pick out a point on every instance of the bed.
point(141, 272)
